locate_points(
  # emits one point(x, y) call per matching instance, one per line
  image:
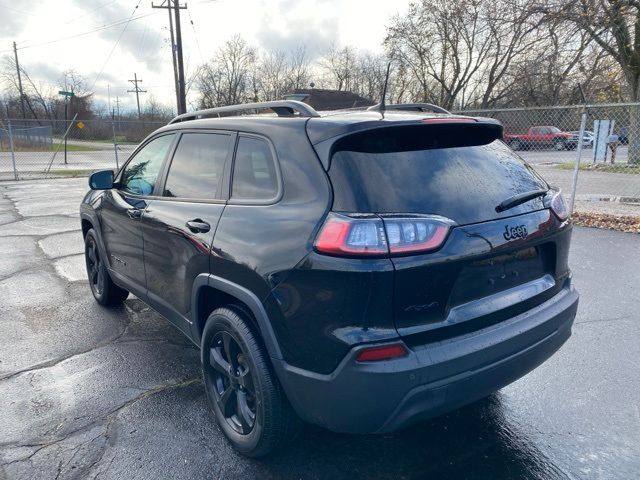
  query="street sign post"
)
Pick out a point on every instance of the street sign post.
point(66, 96)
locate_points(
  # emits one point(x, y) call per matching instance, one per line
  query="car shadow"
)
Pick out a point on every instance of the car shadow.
point(475, 442)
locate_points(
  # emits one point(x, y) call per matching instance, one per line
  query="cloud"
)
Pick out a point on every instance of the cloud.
point(290, 24)
point(14, 19)
point(140, 39)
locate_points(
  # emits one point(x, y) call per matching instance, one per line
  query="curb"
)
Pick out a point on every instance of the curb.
point(608, 198)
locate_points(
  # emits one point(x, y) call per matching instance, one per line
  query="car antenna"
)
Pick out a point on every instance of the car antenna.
point(381, 107)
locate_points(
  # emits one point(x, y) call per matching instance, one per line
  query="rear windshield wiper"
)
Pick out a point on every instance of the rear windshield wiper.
point(519, 199)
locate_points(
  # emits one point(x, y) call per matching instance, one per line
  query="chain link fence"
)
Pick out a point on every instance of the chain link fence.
point(31, 149)
point(608, 179)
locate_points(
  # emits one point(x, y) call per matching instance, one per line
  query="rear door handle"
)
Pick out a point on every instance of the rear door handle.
point(198, 226)
point(134, 213)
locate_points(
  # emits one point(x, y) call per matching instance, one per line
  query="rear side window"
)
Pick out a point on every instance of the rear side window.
point(463, 183)
point(140, 174)
point(254, 171)
point(197, 166)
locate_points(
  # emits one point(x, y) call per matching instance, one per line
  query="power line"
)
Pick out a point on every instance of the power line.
point(90, 12)
point(97, 29)
point(115, 45)
point(195, 34)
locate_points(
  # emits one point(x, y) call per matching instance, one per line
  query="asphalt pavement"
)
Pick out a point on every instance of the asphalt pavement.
point(88, 392)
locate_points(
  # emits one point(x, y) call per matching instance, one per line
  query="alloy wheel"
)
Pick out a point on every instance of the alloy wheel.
point(92, 258)
point(232, 382)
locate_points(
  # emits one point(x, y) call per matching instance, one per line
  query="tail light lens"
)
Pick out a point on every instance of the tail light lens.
point(558, 205)
point(421, 234)
point(342, 235)
point(371, 235)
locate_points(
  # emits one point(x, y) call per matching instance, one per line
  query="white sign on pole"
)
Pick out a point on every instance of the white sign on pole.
point(602, 129)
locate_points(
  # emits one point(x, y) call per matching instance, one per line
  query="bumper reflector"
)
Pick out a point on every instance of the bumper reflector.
point(382, 352)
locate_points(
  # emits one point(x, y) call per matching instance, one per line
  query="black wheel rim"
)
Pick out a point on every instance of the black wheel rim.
point(232, 382)
point(92, 257)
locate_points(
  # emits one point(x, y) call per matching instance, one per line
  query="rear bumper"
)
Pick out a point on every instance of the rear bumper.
point(432, 380)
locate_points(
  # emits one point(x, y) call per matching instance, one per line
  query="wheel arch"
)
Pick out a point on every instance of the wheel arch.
point(211, 292)
point(88, 222)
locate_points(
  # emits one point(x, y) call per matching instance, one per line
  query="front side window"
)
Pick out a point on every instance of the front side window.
point(254, 171)
point(140, 174)
point(197, 167)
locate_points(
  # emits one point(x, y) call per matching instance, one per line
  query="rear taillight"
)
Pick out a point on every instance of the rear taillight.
point(415, 234)
point(342, 235)
point(381, 352)
point(372, 235)
point(558, 205)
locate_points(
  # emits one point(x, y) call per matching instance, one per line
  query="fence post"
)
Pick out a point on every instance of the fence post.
point(13, 153)
point(115, 145)
point(48, 169)
point(576, 168)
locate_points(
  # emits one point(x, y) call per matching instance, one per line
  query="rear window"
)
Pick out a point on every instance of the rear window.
point(463, 183)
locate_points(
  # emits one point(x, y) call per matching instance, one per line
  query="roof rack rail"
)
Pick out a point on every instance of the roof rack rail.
point(283, 108)
point(416, 107)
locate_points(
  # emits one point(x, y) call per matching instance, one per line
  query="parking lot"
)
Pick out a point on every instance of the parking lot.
point(88, 392)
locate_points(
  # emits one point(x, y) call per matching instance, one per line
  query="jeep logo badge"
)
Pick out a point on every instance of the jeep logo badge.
point(511, 233)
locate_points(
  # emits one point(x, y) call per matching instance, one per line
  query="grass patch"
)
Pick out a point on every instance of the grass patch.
point(71, 173)
point(120, 140)
point(603, 167)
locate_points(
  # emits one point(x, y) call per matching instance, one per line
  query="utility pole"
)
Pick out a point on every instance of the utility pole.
point(183, 93)
point(15, 54)
point(173, 49)
point(118, 112)
point(176, 52)
point(137, 91)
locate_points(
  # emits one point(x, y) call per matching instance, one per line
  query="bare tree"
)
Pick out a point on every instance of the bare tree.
point(226, 79)
point(444, 44)
point(299, 68)
point(338, 66)
point(272, 75)
point(615, 26)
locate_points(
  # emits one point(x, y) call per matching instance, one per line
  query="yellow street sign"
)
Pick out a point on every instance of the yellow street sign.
point(80, 125)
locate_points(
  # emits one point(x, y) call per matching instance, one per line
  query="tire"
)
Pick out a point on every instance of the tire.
point(242, 389)
point(104, 290)
point(560, 145)
point(515, 145)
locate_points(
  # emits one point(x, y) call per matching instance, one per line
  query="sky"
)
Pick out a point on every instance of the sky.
point(108, 41)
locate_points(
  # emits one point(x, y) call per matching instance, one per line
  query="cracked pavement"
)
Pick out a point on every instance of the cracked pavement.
point(88, 392)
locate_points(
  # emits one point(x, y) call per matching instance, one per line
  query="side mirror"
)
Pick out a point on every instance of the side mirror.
point(101, 180)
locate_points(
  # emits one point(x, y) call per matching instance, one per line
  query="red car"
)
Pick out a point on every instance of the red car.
point(540, 137)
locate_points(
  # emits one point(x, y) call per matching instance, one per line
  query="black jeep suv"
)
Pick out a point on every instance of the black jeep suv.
point(361, 271)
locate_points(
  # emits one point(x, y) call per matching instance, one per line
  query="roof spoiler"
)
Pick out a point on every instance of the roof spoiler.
point(283, 108)
point(404, 135)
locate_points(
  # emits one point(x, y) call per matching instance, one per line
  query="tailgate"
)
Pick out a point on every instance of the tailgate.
point(505, 251)
point(479, 277)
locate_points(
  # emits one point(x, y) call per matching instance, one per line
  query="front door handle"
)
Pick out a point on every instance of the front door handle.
point(134, 213)
point(198, 226)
